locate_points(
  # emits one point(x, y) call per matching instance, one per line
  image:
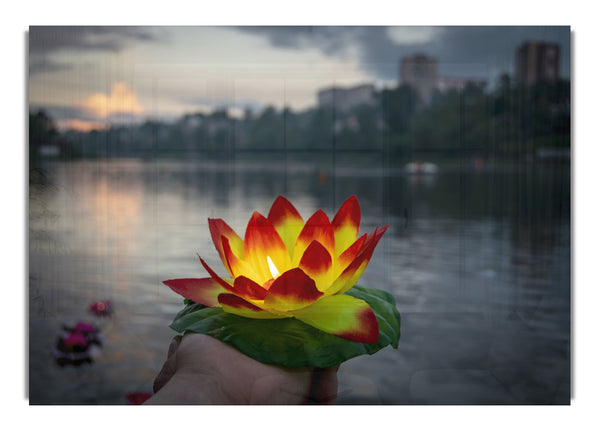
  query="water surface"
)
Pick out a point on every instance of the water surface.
point(478, 261)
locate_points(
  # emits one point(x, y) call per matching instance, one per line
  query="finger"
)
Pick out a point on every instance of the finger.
point(169, 367)
point(324, 386)
point(175, 342)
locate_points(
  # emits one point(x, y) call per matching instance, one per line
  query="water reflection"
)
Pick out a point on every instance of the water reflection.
point(478, 261)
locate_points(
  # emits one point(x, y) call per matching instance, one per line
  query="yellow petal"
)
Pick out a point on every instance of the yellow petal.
point(342, 315)
point(287, 221)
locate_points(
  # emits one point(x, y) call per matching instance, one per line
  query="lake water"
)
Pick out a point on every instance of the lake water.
point(477, 259)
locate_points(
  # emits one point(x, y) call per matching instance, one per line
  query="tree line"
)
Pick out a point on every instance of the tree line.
point(509, 121)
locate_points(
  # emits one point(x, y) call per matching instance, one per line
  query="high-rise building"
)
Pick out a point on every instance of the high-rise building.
point(537, 62)
point(420, 72)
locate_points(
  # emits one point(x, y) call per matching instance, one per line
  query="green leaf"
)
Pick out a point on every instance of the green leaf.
point(384, 306)
point(290, 342)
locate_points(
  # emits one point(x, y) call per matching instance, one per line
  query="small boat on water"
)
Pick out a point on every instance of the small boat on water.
point(420, 168)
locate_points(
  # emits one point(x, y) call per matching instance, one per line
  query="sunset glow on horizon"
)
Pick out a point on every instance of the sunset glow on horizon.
point(81, 125)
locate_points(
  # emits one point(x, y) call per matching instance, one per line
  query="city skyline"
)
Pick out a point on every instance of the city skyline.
point(89, 77)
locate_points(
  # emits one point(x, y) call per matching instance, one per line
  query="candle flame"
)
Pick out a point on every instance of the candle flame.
point(272, 268)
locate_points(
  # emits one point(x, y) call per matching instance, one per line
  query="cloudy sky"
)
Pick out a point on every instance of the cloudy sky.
point(88, 77)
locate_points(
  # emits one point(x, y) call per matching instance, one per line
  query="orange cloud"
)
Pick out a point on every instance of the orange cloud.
point(121, 100)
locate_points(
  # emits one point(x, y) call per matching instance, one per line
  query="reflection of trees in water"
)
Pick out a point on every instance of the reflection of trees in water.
point(42, 218)
point(193, 179)
point(541, 200)
point(525, 195)
point(530, 204)
point(304, 175)
point(540, 210)
point(533, 198)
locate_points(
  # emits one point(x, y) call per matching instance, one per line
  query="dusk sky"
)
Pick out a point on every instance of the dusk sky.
point(89, 77)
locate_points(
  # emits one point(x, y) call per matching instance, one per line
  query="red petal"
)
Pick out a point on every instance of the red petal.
point(218, 229)
point(235, 301)
point(350, 254)
point(292, 290)
point(215, 277)
point(316, 263)
point(138, 398)
point(316, 259)
point(317, 228)
point(261, 241)
point(236, 305)
point(201, 290)
point(237, 266)
point(368, 247)
point(367, 331)
point(283, 211)
point(345, 224)
point(247, 288)
point(352, 273)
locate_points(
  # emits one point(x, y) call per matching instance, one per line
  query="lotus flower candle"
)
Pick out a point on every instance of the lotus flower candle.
point(288, 269)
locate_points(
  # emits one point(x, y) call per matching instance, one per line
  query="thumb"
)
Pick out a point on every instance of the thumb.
point(169, 367)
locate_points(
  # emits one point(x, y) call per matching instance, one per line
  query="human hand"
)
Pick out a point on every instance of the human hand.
point(202, 370)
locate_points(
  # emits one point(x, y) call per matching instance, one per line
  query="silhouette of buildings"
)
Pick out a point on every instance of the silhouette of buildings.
point(537, 62)
point(421, 72)
point(344, 99)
